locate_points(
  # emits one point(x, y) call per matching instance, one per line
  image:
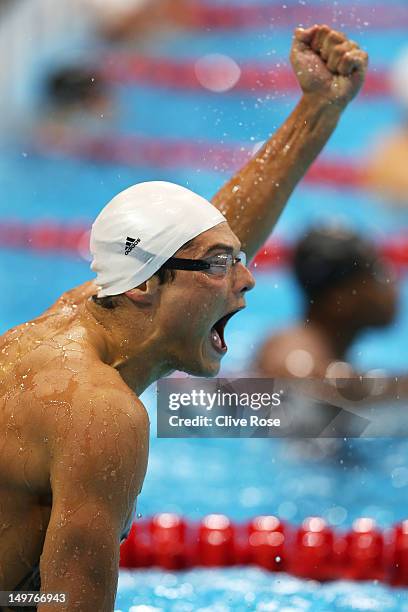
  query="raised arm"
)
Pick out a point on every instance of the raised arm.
point(330, 70)
point(97, 470)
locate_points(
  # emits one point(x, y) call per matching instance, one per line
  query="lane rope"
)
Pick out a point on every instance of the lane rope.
point(51, 236)
point(138, 151)
point(255, 77)
point(364, 16)
point(313, 550)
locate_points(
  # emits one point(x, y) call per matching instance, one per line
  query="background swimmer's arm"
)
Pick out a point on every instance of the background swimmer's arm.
point(98, 466)
point(354, 391)
point(330, 70)
point(386, 168)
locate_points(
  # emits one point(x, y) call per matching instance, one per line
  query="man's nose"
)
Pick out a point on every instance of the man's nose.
point(244, 281)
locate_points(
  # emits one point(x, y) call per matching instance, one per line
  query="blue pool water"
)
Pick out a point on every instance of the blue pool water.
point(242, 591)
point(241, 478)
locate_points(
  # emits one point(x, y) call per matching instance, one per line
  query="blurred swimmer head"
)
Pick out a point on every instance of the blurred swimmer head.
point(73, 87)
point(342, 273)
point(170, 253)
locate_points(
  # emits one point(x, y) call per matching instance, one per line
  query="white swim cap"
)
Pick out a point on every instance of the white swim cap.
point(143, 227)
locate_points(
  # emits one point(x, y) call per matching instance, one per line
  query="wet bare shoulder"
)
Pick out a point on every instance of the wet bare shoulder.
point(297, 351)
point(101, 423)
point(48, 328)
point(76, 386)
point(59, 384)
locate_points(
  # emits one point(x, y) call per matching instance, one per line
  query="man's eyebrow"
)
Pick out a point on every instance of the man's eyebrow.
point(220, 247)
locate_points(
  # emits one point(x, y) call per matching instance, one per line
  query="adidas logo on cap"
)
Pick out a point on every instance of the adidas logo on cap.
point(130, 244)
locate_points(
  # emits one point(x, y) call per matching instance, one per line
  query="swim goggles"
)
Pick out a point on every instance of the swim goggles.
point(217, 265)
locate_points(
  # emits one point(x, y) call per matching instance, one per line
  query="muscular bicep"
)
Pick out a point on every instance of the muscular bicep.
point(97, 471)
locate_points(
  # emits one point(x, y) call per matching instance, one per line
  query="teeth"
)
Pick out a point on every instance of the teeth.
point(215, 337)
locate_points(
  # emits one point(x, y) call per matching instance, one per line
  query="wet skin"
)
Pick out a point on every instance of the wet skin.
point(54, 404)
point(67, 415)
point(73, 433)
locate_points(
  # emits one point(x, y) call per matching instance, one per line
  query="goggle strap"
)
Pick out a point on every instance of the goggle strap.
point(176, 263)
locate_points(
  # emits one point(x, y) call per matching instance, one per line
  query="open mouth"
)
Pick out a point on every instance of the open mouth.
point(217, 332)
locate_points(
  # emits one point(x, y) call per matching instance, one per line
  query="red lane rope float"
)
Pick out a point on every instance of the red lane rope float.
point(139, 151)
point(348, 15)
point(47, 236)
point(181, 74)
point(313, 550)
point(74, 239)
point(276, 253)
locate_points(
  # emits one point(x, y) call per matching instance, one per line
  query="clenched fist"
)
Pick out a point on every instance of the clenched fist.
point(327, 64)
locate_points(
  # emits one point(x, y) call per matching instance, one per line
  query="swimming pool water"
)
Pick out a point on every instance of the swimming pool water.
point(249, 589)
point(241, 478)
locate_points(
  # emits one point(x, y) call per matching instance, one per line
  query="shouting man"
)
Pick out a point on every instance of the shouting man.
point(170, 273)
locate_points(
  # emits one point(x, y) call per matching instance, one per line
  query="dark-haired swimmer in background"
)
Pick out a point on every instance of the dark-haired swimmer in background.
point(74, 434)
point(347, 288)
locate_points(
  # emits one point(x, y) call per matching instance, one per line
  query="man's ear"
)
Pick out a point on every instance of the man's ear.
point(145, 294)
